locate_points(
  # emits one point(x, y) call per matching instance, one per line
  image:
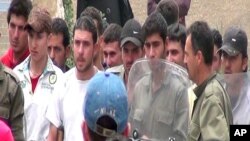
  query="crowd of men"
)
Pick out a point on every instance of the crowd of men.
point(42, 98)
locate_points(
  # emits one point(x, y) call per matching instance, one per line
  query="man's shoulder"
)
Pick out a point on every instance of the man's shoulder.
point(70, 72)
point(6, 58)
point(7, 72)
point(215, 89)
point(116, 70)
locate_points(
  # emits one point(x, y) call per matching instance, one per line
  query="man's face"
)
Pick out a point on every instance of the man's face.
point(233, 64)
point(18, 37)
point(38, 44)
point(174, 52)
point(112, 53)
point(130, 53)
point(154, 46)
point(190, 59)
point(57, 52)
point(83, 47)
point(216, 60)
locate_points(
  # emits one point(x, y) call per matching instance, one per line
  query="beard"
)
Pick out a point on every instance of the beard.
point(85, 66)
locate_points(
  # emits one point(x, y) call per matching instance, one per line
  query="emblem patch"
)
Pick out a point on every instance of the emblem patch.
point(52, 78)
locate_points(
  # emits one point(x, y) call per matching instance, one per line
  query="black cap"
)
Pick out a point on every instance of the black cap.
point(234, 42)
point(132, 32)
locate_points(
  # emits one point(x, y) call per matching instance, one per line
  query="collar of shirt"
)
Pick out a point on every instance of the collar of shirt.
point(48, 68)
point(199, 89)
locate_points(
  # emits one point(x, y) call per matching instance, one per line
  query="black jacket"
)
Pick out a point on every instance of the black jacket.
point(116, 11)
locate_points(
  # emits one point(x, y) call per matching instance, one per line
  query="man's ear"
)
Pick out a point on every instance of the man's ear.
point(199, 57)
point(244, 63)
point(85, 132)
point(127, 130)
point(68, 51)
point(100, 41)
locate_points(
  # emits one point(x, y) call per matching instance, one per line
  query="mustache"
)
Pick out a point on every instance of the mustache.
point(80, 59)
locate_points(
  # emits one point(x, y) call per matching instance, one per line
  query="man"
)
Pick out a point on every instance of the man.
point(17, 17)
point(59, 48)
point(110, 44)
point(169, 10)
point(65, 109)
point(115, 11)
point(212, 115)
point(12, 102)
point(217, 45)
point(155, 35)
point(106, 95)
point(234, 51)
point(176, 43)
point(38, 75)
point(183, 5)
point(159, 92)
point(95, 14)
point(234, 64)
point(132, 48)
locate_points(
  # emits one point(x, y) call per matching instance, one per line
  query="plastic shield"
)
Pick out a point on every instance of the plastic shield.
point(237, 86)
point(158, 99)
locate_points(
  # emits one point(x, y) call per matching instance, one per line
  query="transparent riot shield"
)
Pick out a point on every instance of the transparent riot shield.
point(237, 86)
point(158, 100)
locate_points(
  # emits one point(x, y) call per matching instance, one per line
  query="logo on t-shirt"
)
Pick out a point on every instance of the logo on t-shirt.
point(52, 78)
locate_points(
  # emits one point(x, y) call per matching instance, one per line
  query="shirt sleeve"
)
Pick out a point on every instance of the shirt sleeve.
point(213, 121)
point(182, 115)
point(54, 112)
point(16, 113)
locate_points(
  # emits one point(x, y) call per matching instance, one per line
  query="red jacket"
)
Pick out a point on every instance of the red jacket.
point(8, 60)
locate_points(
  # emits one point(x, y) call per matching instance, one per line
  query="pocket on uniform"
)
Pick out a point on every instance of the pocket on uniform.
point(4, 113)
point(138, 115)
point(137, 119)
point(194, 131)
point(165, 117)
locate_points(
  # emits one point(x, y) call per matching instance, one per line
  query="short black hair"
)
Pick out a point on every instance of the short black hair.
point(155, 23)
point(169, 10)
point(105, 122)
point(217, 39)
point(96, 15)
point(202, 40)
point(112, 33)
point(19, 8)
point(177, 32)
point(86, 23)
point(59, 26)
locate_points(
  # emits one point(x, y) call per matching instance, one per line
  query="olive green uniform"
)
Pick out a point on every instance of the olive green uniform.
point(11, 102)
point(212, 114)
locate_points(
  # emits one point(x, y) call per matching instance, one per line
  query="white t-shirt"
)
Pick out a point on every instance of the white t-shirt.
point(67, 107)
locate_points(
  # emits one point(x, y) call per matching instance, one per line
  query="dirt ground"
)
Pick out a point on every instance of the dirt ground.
point(220, 14)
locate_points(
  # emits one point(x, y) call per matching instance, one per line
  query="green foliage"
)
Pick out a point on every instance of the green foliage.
point(69, 15)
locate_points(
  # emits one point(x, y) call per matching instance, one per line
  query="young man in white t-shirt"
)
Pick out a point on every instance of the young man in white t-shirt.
point(66, 108)
point(38, 76)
